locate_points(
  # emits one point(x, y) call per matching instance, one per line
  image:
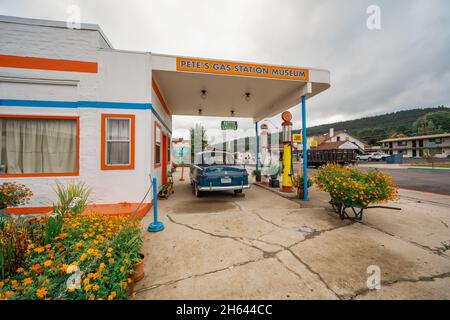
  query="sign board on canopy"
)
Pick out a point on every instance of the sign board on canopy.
point(241, 69)
point(297, 138)
point(229, 125)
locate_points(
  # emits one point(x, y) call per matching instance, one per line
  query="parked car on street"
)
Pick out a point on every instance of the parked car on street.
point(217, 171)
point(374, 156)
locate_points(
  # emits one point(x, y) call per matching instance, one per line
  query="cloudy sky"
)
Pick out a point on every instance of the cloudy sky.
point(404, 65)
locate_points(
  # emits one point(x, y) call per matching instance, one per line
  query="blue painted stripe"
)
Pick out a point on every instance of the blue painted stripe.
point(115, 105)
point(83, 104)
point(38, 103)
point(161, 120)
point(75, 104)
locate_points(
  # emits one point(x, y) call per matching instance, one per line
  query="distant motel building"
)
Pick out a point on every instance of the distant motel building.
point(415, 147)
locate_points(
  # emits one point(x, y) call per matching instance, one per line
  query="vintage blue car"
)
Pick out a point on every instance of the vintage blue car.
point(217, 171)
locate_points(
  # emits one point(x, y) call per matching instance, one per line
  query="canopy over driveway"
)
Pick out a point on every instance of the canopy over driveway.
point(192, 86)
point(250, 90)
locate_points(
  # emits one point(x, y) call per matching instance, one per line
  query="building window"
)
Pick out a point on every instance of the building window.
point(436, 141)
point(158, 139)
point(38, 146)
point(117, 141)
point(402, 143)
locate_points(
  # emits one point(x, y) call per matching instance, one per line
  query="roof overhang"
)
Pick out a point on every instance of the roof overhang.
point(272, 89)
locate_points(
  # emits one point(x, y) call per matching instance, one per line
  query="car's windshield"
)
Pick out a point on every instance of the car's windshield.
point(214, 158)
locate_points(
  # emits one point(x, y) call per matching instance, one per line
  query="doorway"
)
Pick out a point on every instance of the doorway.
point(164, 159)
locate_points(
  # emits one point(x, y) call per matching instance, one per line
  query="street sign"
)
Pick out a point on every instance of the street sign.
point(313, 143)
point(229, 125)
point(297, 138)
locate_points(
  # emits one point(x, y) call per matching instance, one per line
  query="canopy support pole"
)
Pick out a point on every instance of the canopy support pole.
point(305, 151)
point(257, 146)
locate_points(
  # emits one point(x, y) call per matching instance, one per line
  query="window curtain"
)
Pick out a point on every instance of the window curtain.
point(40, 146)
point(118, 149)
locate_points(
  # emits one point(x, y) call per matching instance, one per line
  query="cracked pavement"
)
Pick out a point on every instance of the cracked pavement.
point(263, 246)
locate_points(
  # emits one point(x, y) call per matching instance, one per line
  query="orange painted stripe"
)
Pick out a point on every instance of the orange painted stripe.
point(9, 61)
point(29, 210)
point(160, 97)
point(113, 209)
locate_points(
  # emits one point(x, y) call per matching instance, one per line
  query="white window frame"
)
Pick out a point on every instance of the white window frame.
point(114, 140)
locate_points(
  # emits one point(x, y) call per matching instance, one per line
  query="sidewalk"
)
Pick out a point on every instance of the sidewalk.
point(263, 246)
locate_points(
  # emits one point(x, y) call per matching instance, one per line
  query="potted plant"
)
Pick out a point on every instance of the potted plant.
point(13, 195)
point(274, 172)
point(257, 175)
point(352, 190)
point(298, 183)
point(166, 191)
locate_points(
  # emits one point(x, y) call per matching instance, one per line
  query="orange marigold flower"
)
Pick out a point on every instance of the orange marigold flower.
point(41, 292)
point(27, 281)
point(48, 263)
point(36, 268)
point(112, 295)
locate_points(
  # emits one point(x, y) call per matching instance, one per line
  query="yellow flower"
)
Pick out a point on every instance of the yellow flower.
point(122, 268)
point(87, 287)
point(20, 270)
point(108, 255)
point(95, 287)
point(39, 249)
point(111, 261)
point(14, 283)
point(72, 268)
point(48, 263)
point(9, 293)
point(112, 295)
point(110, 250)
point(27, 281)
point(83, 257)
point(41, 292)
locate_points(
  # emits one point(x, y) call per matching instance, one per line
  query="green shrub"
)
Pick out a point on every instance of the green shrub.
point(72, 198)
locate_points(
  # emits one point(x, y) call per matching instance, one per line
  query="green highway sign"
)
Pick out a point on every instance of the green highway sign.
point(229, 125)
point(432, 144)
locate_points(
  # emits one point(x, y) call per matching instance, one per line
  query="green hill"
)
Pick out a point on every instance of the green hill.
point(372, 129)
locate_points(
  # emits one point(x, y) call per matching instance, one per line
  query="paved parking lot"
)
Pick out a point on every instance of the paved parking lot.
point(263, 246)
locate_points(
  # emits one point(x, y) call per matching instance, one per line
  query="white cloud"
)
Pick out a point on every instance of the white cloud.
point(403, 65)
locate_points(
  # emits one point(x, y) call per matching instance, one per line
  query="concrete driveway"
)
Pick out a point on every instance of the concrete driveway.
point(263, 246)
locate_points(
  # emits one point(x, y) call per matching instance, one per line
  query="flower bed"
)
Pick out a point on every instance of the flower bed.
point(79, 247)
point(355, 189)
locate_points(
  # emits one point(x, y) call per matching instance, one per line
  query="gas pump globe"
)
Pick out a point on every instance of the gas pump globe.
point(287, 178)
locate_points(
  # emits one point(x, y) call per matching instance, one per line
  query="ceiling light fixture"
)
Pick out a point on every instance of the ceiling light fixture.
point(204, 94)
point(248, 96)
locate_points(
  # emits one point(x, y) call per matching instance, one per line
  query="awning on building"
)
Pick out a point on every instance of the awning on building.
point(192, 86)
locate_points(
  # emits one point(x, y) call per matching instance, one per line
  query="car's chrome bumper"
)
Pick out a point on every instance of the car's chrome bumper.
point(223, 188)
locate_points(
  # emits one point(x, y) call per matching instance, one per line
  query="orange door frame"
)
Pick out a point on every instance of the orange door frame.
point(164, 159)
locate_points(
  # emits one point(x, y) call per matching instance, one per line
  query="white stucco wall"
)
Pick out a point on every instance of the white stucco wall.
point(122, 77)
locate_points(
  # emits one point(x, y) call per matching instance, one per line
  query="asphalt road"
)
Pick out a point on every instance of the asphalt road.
point(420, 180)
